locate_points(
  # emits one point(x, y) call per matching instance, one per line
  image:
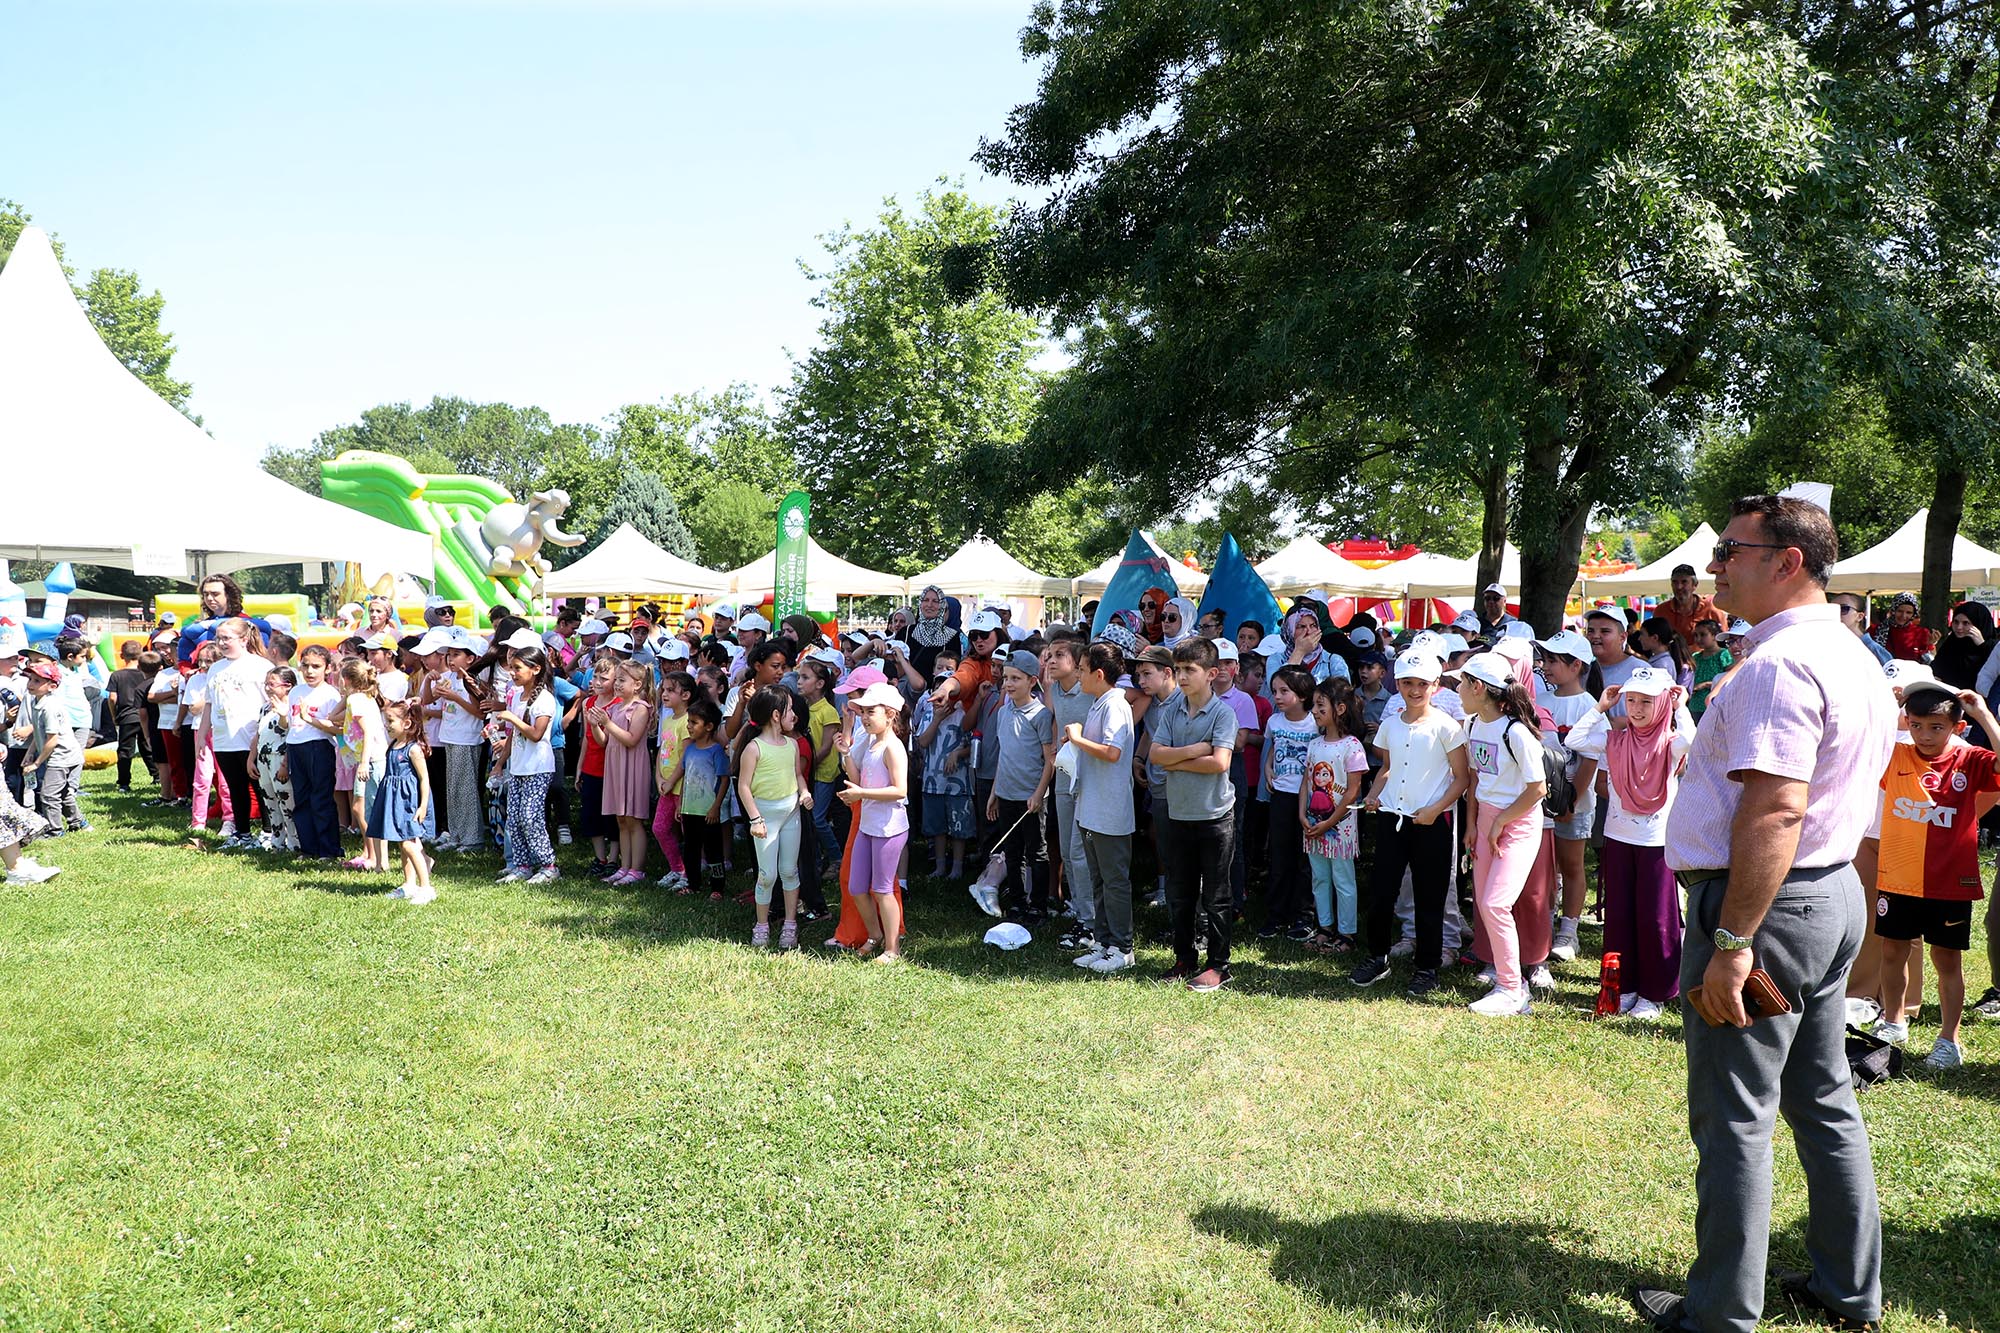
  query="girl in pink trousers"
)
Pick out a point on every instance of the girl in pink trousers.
point(1504, 750)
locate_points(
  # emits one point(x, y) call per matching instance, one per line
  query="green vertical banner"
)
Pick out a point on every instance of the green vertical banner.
point(788, 588)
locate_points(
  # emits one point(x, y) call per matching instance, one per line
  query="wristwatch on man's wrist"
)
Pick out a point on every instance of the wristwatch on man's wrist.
point(1729, 941)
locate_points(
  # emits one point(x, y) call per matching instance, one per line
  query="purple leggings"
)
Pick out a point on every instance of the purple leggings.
point(1642, 919)
point(875, 862)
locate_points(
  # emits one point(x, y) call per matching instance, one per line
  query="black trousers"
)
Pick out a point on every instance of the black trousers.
point(437, 763)
point(313, 813)
point(1197, 854)
point(134, 741)
point(234, 765)
point(701, 843)
point(1285, 882)
point(1425, 850)
point(1027, 881)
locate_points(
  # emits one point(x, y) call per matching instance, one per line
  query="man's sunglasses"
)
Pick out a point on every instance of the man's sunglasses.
point(1726, 549)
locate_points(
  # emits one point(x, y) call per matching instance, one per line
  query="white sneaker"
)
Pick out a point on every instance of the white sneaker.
point(1646, 1011)
point(1564, 949)
point(511, 876)
point(1112, 960)
point(445, 844)
point(398, 892)
point(1628, 1002)
point(546, 875)
point(1089, 959)
point(1540, 978)
point(1893, 1033)
point(1861, 1011)
point(25, 873)
point(1498, 1003)
point(421, 896)
point(1404, 948)
point(669, 881)
point(564, 837)
point(228, 829)
point(1487, 976)
point(1944, 1055)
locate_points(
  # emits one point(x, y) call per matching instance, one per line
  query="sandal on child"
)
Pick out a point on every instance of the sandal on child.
point(867, 947)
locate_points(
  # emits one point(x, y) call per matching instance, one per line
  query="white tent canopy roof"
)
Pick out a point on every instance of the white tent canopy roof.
point(982, 567)
point(70, 409)
point(1092, 582)
point(827, 575)
point(629, 564)
point(1896, 563)
point(1427, 574)
point(1305, 563)
point(1651, 580)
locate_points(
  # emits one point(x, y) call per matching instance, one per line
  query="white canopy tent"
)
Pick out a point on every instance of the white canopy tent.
point(69, 409)
point(1896, 563)
point(1305, 563)
point(982, 567)
point(629, 564)
point(1656, 578)
point(1092, 582)
point(1427, 574)
point(827, 576)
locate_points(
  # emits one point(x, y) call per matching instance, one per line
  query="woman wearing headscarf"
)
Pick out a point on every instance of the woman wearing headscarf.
point(803, 630)
point(1177, 622)
point(1151, 603)
point(1965, 650)
point(930, 630)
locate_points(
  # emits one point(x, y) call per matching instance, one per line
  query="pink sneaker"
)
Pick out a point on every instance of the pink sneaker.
point(359, 863)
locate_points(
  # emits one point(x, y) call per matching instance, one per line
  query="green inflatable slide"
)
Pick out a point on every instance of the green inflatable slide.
point(449, 508)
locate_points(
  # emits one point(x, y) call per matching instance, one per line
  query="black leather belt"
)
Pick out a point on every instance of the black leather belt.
point(1687, 879)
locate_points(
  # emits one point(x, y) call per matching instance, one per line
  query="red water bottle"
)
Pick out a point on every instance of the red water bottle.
point(1608, 986)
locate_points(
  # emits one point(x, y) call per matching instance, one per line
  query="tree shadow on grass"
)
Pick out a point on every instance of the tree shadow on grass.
point(1441, 1273)
point(1942, 1270)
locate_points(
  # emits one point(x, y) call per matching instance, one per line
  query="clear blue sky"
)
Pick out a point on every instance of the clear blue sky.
point(571, 204)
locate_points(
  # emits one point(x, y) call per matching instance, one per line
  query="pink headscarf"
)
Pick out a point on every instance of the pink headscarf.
point(1640, 760)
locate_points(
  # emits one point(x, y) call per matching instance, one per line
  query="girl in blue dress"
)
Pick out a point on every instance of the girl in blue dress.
point(402, 812)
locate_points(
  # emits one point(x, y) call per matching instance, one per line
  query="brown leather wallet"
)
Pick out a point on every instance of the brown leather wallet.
point(1761, 996)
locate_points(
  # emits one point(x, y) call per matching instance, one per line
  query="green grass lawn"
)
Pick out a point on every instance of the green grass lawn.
point(238, 1096)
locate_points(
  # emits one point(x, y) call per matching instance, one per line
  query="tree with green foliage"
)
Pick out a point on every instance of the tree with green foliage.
point(906, 384)
point(733, 523)
point(642, 500)
point(126, 315)
point(1513, 232)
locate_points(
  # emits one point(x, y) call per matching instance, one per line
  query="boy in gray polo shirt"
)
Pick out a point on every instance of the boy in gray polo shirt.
point(1103, 805)
point(1024, 732)
point(1192, 742)
point(1064, 694)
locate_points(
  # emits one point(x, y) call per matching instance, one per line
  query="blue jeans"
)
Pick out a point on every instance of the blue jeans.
point(822, 813)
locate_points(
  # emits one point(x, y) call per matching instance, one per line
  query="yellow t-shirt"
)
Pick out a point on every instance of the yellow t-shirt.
point(673, 739)
point(821, 716)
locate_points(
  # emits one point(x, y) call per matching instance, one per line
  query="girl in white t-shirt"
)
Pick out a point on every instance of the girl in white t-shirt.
point(1566, 663)
point(1335, 766)
point(1506, 832)
point(1641, 753)
point(531, 765)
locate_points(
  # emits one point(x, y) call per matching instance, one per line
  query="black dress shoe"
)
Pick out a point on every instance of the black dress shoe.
point(1660, 1309)
point(1795, 1287)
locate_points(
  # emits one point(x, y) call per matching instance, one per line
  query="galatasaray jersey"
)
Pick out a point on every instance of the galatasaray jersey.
point(1930, 822)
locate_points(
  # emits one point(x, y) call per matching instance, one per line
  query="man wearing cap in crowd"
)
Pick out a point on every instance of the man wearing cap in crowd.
point(975, 677)
point(1687, 607)
point(1776, 796)
point(1493, 615)
point(751, 630)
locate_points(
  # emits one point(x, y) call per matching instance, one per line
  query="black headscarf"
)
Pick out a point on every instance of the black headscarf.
point(1958, 660)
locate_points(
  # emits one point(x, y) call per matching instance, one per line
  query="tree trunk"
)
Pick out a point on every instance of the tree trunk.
point(1940, 529)
point(1493, 530)
point(1547, 571)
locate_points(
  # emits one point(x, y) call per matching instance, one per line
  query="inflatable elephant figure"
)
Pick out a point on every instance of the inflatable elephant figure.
point(511, 536)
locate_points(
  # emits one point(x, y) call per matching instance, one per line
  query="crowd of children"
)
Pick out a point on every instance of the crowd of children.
point(1198, 764)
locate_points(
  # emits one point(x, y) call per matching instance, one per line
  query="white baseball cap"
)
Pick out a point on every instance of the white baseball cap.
point(1517, 629)
point(1488, 669)
point(1362, 638)
point(1466, 621)
point(284, 623)
point(1500, 588)
point(436, 603)
point(984, 623)
point(1008, 935)
point(525, 638)
point(621, 642)
point(1417, 665)
point(1426, 641)
point(1454, 644)
point(880, 694)
point(593, 626)
point(754, 621)
point(1567, 643)
point(830, 656)
point(1648, 680)
point(1739, 626)
point(856, 637)
point(12, 641)
point(1225, 651)
point(673, 650)
point(1271, 645)
point(1905, 674)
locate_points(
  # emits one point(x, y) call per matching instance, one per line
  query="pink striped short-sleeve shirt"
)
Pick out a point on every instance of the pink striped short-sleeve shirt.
point(1809, 704)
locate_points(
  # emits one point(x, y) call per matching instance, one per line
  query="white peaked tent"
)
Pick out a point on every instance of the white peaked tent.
point(629, 564)
point(1092, 582)
point(827, 576)
point(1657, 578)
point(1896, 563)
point(1304, 563)
point(1431, 575)
point(982, 568)
point(70, 411)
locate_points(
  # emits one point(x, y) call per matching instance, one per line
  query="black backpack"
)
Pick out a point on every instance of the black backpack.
point(1558, 792)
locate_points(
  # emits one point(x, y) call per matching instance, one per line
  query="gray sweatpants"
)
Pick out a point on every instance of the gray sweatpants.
point(1076, 869)
point(1110, 867)
point(1741, 1079)
point(56, 795)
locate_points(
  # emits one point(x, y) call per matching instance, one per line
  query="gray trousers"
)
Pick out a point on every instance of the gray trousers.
point(1076, 869)
point(1741, 1079)
point(1110, 866)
